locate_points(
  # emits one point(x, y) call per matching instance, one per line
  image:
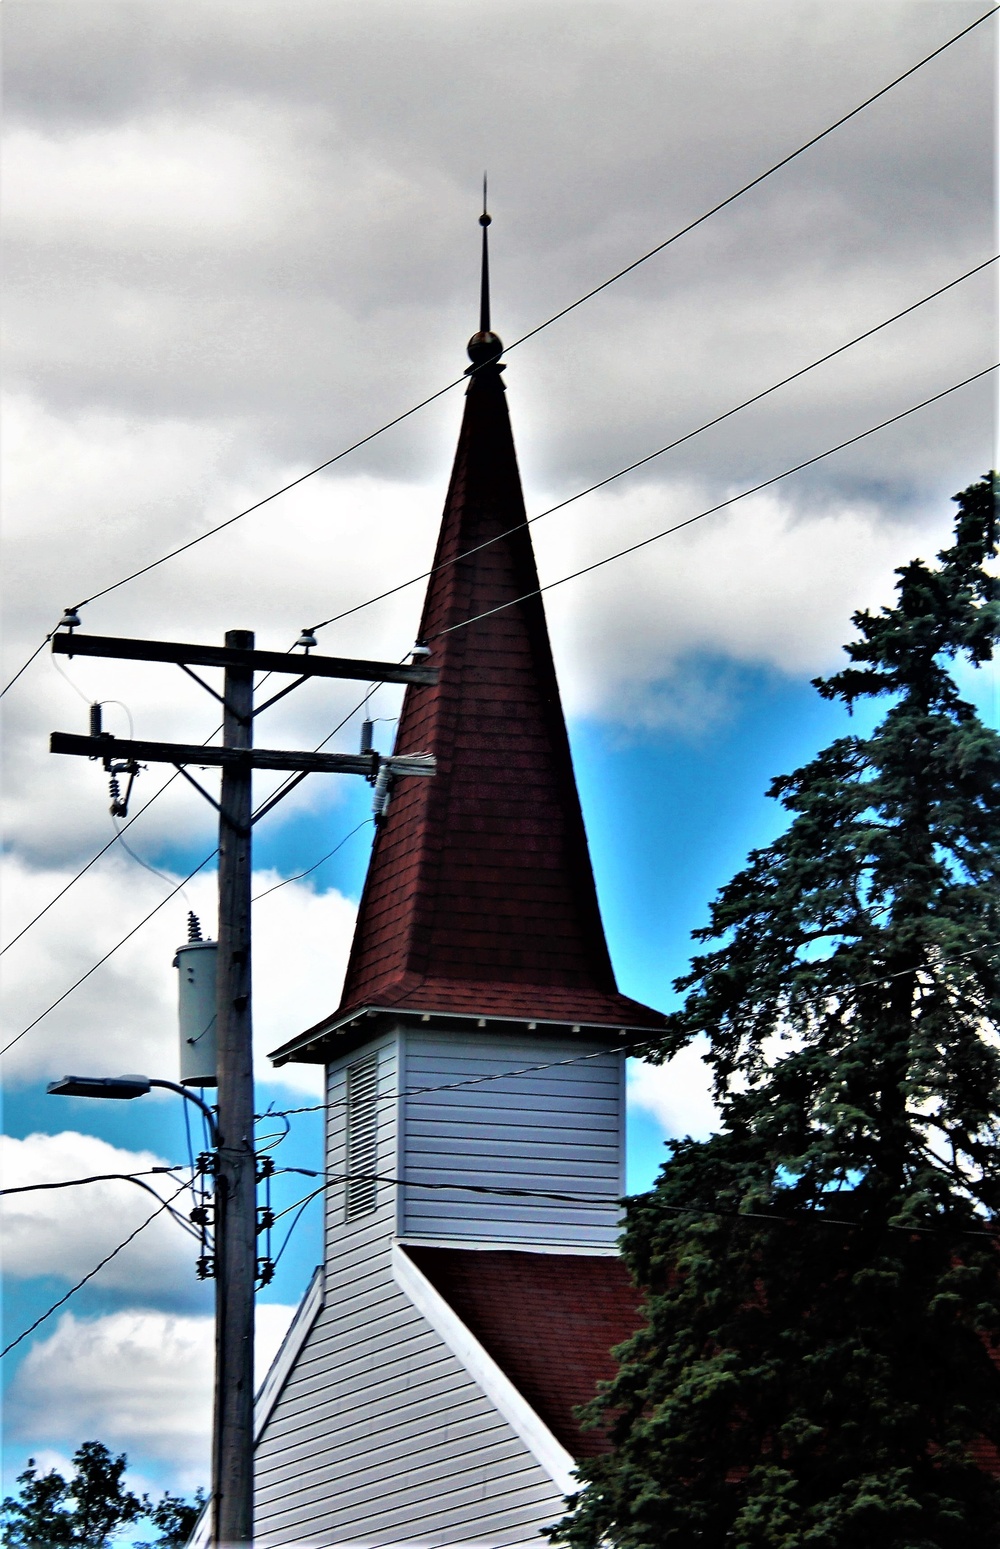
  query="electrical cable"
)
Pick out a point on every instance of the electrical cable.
point(574, 575)
point(533, 332)
point(136, 1178)
point(586, 1201)
point(72, 1183)
point(633, 1048)
point(27, 663)
point(153, 870)
point(93, 860)
point(597, 289)
point(537, 591)
point(632, 548)
point(105, 848)
point(660, 452)
point(424, 575)
point(302, 1210)
point(110, 953)
point(173, 894)
point(80, 1283)
point(316, 864)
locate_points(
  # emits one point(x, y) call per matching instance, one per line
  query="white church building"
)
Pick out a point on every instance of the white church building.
point(475, 1073)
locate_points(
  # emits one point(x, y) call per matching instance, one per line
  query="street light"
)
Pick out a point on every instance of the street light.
point(125, 1087)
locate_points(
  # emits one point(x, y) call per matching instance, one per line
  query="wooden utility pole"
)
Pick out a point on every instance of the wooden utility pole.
point(236, 1259)
point(236, 1178)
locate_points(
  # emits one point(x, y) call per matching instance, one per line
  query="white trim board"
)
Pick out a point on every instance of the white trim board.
point(574, 1250)
point(544, 1447)
point(288, 1353)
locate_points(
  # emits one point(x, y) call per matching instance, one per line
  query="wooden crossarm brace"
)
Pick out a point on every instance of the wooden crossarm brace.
point(107, 747)
point(228, 656)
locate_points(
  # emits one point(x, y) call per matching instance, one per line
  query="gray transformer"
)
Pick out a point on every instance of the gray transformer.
point(196, 962)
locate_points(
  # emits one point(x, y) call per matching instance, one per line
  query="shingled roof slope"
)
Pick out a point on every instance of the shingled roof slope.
point(480, 897)
point(549, 1320)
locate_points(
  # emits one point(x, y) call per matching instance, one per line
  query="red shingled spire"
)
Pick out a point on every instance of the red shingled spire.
point(480, 897)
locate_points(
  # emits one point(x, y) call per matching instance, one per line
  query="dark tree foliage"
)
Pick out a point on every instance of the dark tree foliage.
point(88, 1509)
point(823, 1281)
point(91, 1509)
point(174, 1518)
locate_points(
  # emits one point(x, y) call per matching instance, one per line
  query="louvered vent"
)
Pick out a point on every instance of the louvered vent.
point(362, 1136)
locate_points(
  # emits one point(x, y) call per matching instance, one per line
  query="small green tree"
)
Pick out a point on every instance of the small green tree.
point(175, 1518)
point(92, 1508)
point(822, 1275)
point(89, 1509)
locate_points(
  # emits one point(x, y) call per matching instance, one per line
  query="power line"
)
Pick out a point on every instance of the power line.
point(137, 1178)
point(27, 663)
point(533, 332)
point(110, 953)
point(281, 790)
point(574, 575)
point(537, 518)
point(72, 1183)
point(80, 1283)
point(636, 1046)
point(651, 456)
point(677, 526)
point(315, 865)
point(155, 910)
point(595, 1201)
point(759, 179)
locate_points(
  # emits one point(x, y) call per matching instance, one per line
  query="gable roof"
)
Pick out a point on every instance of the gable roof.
point(549, 1321)
point(480, 897)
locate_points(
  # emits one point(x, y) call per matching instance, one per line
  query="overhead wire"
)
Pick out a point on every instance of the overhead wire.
point(634, 1047)
point(583, 570)
point(808, 462)
point(73, 1183)
point(579, 495)
point(315, 865)
point(81, 1283)
point(533, 332)
point(602, 1202)
point(537, 591)
point(649, 457)
point(146, 918)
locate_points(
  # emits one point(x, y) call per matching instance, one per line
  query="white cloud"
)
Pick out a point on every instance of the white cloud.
point(63, 1233)
point(677, 1094)
point(760, 584)
point(124, 1018)
point(140, 1381)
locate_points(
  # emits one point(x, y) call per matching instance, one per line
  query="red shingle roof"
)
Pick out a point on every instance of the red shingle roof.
point(480, 896)
point(549, 1320)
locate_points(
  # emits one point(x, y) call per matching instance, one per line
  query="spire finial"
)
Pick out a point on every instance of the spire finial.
point(484, 287)
point(484, 347)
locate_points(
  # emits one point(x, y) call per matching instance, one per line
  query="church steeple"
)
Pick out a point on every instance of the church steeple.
point(480, 899)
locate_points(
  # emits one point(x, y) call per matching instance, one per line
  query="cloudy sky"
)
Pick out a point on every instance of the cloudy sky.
point(240, 237)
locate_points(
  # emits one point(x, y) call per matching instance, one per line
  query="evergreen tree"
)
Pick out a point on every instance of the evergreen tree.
point(822, 1275)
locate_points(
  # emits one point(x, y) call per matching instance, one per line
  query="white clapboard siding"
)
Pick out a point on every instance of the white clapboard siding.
point(379, 1435)
point(559, 1130)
